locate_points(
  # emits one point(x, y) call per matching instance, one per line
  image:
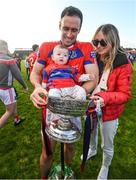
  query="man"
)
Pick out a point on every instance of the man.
point(18, 60)
point(32, 57)
point(8, 70)
point(81, 57)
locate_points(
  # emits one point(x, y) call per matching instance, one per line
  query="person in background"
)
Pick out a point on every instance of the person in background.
point(130, 57)
point(27, 66)
point(8, 70)
point(18, 60)
point(81, 57)
point(112, 92)
point(33, 56)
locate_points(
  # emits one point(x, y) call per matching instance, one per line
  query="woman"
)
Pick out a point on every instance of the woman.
point(113, 90)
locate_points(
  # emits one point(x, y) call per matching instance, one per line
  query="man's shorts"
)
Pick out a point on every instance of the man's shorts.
point(8, 96)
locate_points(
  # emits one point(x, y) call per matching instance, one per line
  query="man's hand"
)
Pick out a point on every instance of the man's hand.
point(37, 97)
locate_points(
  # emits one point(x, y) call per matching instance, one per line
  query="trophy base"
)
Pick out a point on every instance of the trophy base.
point(56, 173)
point(67, 134)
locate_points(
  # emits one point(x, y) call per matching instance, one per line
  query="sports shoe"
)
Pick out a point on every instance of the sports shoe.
point(103, 174)
point(90, 154)
point(17, 122)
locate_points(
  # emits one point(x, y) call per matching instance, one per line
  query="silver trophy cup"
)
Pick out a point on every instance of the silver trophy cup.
point(63, 130)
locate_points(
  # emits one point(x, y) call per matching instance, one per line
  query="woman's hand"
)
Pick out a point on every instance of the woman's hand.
point(37, 97)
point(96, 98)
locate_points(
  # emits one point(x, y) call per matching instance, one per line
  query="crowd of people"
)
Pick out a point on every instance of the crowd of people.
point(99, 68)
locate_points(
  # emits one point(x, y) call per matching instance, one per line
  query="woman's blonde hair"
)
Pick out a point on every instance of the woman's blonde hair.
point(111, 35)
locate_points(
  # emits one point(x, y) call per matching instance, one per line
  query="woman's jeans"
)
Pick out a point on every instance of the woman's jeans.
point(108, 130)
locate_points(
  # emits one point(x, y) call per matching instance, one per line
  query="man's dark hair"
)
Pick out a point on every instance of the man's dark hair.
point(34, 47)
point(72, 11)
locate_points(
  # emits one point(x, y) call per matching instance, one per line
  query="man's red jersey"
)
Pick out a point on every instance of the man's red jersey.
point(80, 54)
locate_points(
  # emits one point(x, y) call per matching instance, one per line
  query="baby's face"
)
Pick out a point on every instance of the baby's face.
point(60, 56)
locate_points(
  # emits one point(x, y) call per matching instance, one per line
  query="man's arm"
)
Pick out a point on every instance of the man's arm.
point(90, 85)
point(35, 76)
point(36, 80)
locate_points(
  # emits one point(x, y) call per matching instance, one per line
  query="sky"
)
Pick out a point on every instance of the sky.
point(28, 22)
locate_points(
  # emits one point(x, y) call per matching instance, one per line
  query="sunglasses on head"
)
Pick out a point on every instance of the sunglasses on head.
point(96, 42)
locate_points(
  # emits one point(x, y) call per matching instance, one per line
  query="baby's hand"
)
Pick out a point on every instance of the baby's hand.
point(86, 77)
point(91, 77)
